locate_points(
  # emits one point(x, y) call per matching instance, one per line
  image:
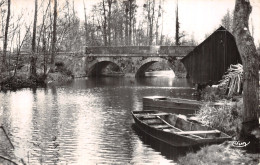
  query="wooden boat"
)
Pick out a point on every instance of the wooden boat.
point(174, 105)
point(176, 131)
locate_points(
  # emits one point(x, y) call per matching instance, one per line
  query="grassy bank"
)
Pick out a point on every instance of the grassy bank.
point(21, 81)
point(226, 118)
point(222, 154)
point(57, 78)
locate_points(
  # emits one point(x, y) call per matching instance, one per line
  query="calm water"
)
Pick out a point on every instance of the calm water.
point(87, 121)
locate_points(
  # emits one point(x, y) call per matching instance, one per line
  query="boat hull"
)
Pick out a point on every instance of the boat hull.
point(172, 105)
point(166, 137)
point(175, 139)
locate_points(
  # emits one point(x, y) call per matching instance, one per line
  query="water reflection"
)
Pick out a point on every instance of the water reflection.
point(164, 82)
point(87, 121)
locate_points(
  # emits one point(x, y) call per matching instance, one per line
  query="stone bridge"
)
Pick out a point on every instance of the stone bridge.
point(130, 60)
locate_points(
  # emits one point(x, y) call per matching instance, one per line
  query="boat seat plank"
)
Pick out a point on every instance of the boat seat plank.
point(155, 123)
point(177, 129)
point(151, 114)
point(145, 111)
point(161, 126)
point(147, 117)
point(159, 114)
point(198, 132)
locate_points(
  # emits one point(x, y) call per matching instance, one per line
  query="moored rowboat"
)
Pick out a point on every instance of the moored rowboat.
point(175, 105)
point(176, 131)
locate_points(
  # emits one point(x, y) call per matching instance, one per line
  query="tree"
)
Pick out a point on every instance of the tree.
point(178, 36)
point(109, 2)
point(250, 60)
point(161, 39)
point(149, 7)
point(177, 27)
point(6, 35)
point(151, 21)
point(157, 24)
point(126, 22)
point(85, 23)
point(54, 33)
point(33, 58)
point(227, 21)
point(189, 41)
point(19, 46)
point(104, 23)
point(132, 11)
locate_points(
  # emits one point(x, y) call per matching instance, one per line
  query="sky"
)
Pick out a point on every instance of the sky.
point(196, 17)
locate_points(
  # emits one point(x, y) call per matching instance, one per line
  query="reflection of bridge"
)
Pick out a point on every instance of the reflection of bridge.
point(134, 60)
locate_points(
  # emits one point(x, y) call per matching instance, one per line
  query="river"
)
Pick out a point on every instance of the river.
point(87, 121)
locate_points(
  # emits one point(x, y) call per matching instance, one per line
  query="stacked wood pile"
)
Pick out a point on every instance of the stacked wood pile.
point(231, 82)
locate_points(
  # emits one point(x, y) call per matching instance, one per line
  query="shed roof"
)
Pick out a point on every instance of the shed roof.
point(221, 28)
point(207, 62)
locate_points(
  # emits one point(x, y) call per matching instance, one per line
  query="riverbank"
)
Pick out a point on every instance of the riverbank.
point(57, 78)
point(21, 81)
point(227, 118)
point(224, 154)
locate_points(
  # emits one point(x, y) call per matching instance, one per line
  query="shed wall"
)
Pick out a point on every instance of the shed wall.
point(208, 62)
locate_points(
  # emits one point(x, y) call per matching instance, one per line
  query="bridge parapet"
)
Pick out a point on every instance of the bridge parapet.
point(178, 51)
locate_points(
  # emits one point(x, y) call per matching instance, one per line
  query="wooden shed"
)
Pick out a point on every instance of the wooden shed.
point(209, 61)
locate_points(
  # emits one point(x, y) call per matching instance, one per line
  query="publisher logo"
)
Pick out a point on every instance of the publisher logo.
point(240, 144)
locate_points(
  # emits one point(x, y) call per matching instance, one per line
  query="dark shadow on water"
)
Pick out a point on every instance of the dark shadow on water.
point(170, 152)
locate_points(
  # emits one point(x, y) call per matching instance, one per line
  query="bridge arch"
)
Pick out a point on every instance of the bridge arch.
point(98, 65)
point(145, 64)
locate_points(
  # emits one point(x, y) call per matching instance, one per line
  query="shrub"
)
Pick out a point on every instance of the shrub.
point(219, 154)
point(211, 94)
point(59, 64)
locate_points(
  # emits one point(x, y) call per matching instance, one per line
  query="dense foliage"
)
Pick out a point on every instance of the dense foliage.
point(226, 117)
point(223, 154)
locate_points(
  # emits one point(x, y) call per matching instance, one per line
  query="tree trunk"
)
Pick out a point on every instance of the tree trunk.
point(104, 24)
point(93, 31)
point(116, 36)
point(6, 35)
point(126, 24)
point(109, 21)
point(85, 24)
point(130, 22)
point(54, 35)
point(18, 53)
point(121, 32)
point(157, 24)
point(44, 51)
point(161, 39)
point(177, 28)
point(151, 20)
point(33, 57)
point(134, 32)
point(250, 62)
